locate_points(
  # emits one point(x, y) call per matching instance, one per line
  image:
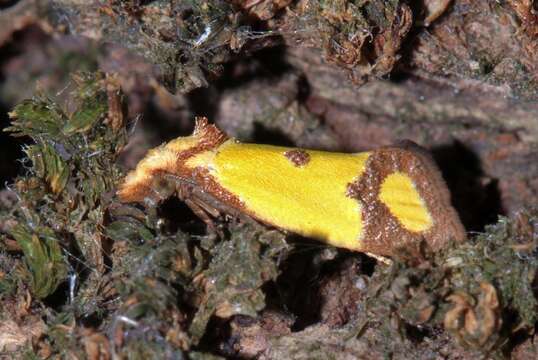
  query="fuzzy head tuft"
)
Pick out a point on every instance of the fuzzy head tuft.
point(142, 183)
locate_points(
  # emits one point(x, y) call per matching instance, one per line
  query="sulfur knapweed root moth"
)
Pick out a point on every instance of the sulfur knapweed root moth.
point(384, 202)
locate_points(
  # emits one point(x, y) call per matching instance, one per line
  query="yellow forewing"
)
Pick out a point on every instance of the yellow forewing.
point(398, 193)
point(310, 200)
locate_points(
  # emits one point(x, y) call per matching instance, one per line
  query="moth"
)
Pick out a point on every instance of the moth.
point(386, 201)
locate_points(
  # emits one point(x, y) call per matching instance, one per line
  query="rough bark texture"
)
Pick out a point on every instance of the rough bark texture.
point(458, 77)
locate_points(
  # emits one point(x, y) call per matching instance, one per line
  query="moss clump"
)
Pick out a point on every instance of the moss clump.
point(363, 37)
point(95, 266)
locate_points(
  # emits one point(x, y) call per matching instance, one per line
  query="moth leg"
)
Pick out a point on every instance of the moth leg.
point(381, 259)
point(208, 208)
point(201, 211)
point(191, 197)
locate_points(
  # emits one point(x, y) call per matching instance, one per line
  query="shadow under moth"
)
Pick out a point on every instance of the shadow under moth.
point(385, 202)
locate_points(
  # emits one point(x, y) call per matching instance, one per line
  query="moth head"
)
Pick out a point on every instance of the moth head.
point(155, 176)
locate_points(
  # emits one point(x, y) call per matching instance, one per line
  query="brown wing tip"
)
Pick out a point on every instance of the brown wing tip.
point(384, 233)
point(449, 226)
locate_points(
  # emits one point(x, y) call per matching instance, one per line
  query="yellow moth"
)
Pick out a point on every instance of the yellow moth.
point(384, 201)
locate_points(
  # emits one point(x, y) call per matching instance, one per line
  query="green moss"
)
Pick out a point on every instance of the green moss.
point(91, 108)
point(505, 255)
point(8, 277)
point(37, 117)
point(59, 217)
point(233, 280)
point(43, 255)
point(49, 166)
